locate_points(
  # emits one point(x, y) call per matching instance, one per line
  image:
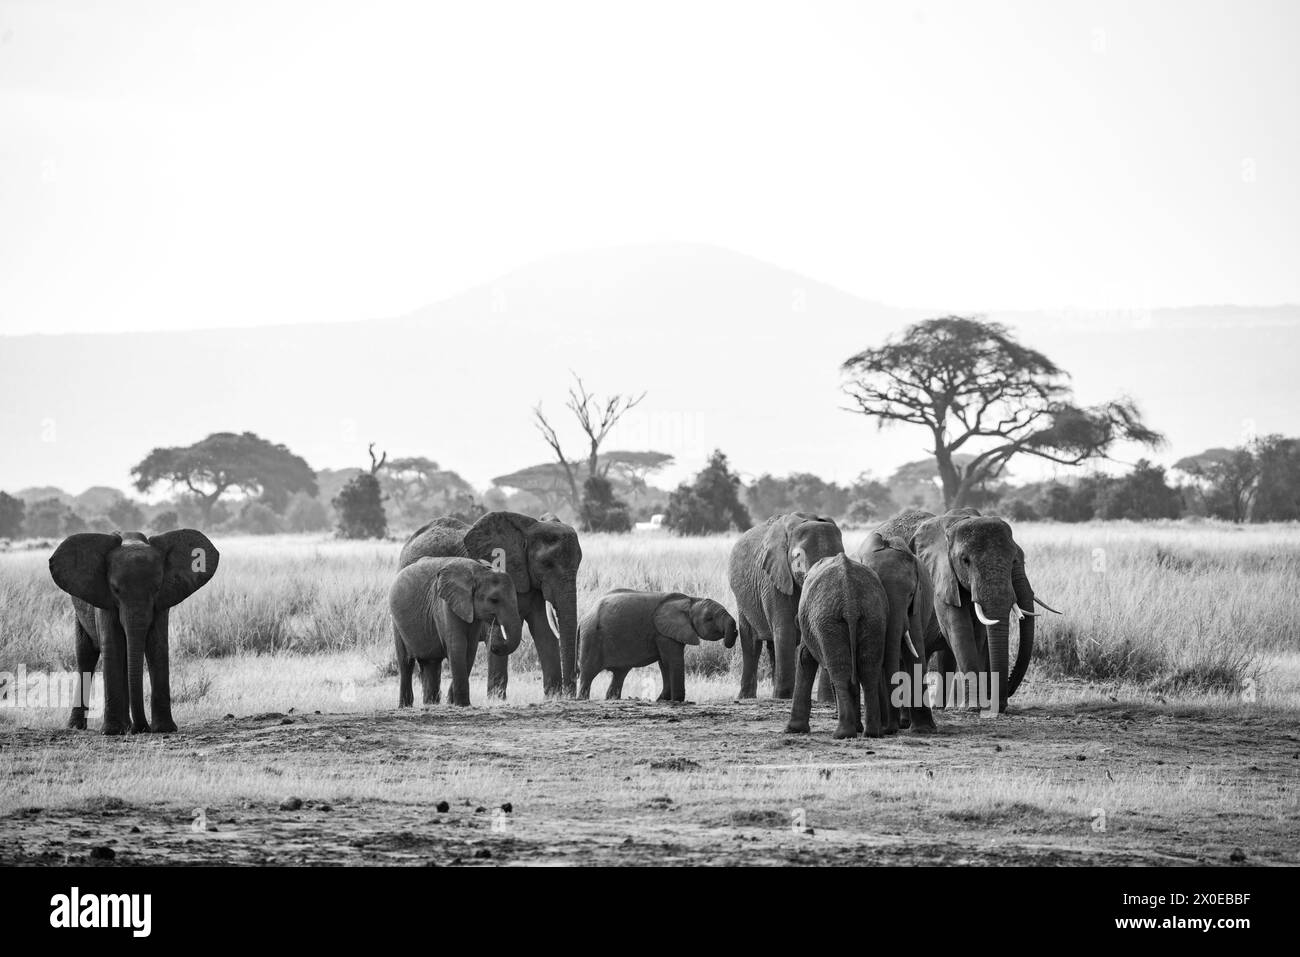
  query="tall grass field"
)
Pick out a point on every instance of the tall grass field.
point(1156, 609)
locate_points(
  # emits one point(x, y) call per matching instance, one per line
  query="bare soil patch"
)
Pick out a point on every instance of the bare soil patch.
point(634, 782)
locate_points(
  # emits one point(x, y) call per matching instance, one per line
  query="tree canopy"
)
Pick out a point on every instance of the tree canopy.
point(974, 387)
point(224, 461)
point(711, 503)
point(418, 490)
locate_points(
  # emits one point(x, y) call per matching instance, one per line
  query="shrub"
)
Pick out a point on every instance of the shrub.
point(709, 504)
point(360, 507)
point(601, 511)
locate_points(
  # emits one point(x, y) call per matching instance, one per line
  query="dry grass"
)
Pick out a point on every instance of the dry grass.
point(1159, 608)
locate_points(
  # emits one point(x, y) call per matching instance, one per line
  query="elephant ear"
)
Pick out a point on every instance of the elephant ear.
point(80, 567)
point(931, 546)
point(502, 539)
point(874, 543)
point(775, 557)
point(672, 619)
point(455, 586)
point(189, 562)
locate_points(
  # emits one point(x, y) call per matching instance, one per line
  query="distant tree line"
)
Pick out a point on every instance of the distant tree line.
point(984, 399)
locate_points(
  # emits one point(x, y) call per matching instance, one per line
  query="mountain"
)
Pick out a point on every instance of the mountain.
point(733, 352)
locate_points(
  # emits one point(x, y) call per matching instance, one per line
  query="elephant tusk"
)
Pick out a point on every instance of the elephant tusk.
point(1017, 613)
point(1044, 604)
point(552, 618)
point(907, 636)
point(984, 619)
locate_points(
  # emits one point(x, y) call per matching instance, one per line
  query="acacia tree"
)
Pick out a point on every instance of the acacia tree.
point(225, 461)
point(634, 468)
point(417, 489)
point(974, 387)
point(1256, 482)
point(548, 482)
point(596, 418)
point(1228, 479)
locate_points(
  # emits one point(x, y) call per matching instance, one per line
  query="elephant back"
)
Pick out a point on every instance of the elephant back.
point(904, 524)
point(441, 538)
point(630, 612)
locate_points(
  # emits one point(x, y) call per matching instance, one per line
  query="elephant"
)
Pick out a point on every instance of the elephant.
point(766, 572)
point(911, 612)
point(843, 610)
point(442, 608)
point(629, 629)
point(980, 588)
point(123, 586)
point(542, 559)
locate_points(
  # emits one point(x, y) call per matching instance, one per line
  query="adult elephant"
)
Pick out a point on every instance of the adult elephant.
point(123, 587)
point(980, 588)
point(766, 572)
point(542, 559)
point(911, 614)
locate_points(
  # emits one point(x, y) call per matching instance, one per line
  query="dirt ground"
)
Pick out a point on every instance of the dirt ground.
point(637, 782)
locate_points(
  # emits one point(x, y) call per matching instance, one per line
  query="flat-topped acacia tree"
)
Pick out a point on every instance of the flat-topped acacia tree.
point(226, 461)
point(978, 390)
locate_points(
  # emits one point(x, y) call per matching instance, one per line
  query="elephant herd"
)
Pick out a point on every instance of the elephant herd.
point(922, 591)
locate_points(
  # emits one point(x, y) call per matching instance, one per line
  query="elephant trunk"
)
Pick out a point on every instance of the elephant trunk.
point(1025, 599)
point(566, 612)
point(994, 596)
point(506, 634)
point(136, 623)
point(729, 635)
point(998, 653)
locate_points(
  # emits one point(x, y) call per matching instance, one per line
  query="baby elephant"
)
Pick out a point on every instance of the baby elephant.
point(630, 629)
point(442, 608)
point(842, 621)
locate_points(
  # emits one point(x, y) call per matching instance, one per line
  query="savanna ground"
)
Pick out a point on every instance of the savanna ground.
point(1160, 723)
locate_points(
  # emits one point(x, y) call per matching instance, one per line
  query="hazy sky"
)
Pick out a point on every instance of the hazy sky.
point(170, 165)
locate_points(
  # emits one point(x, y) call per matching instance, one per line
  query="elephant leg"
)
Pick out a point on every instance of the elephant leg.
point(616, 683)
point(584, 686)
point(893, 659)
point(431, 679)
point(969, 649)
point(498, 676)
point(784, 648)
point(157, 656)
point(548, 649)
point(846, 691)
point(855, 698)
point(942, 663)
point(405, 668)
point(875, 702)
point(460, 660)
point(915, 715)
point(665, 681)
point(87, 659)
point(749, 651)
point(801, 698)
point(113, 650)
point(675, 675)
point(824, 690)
